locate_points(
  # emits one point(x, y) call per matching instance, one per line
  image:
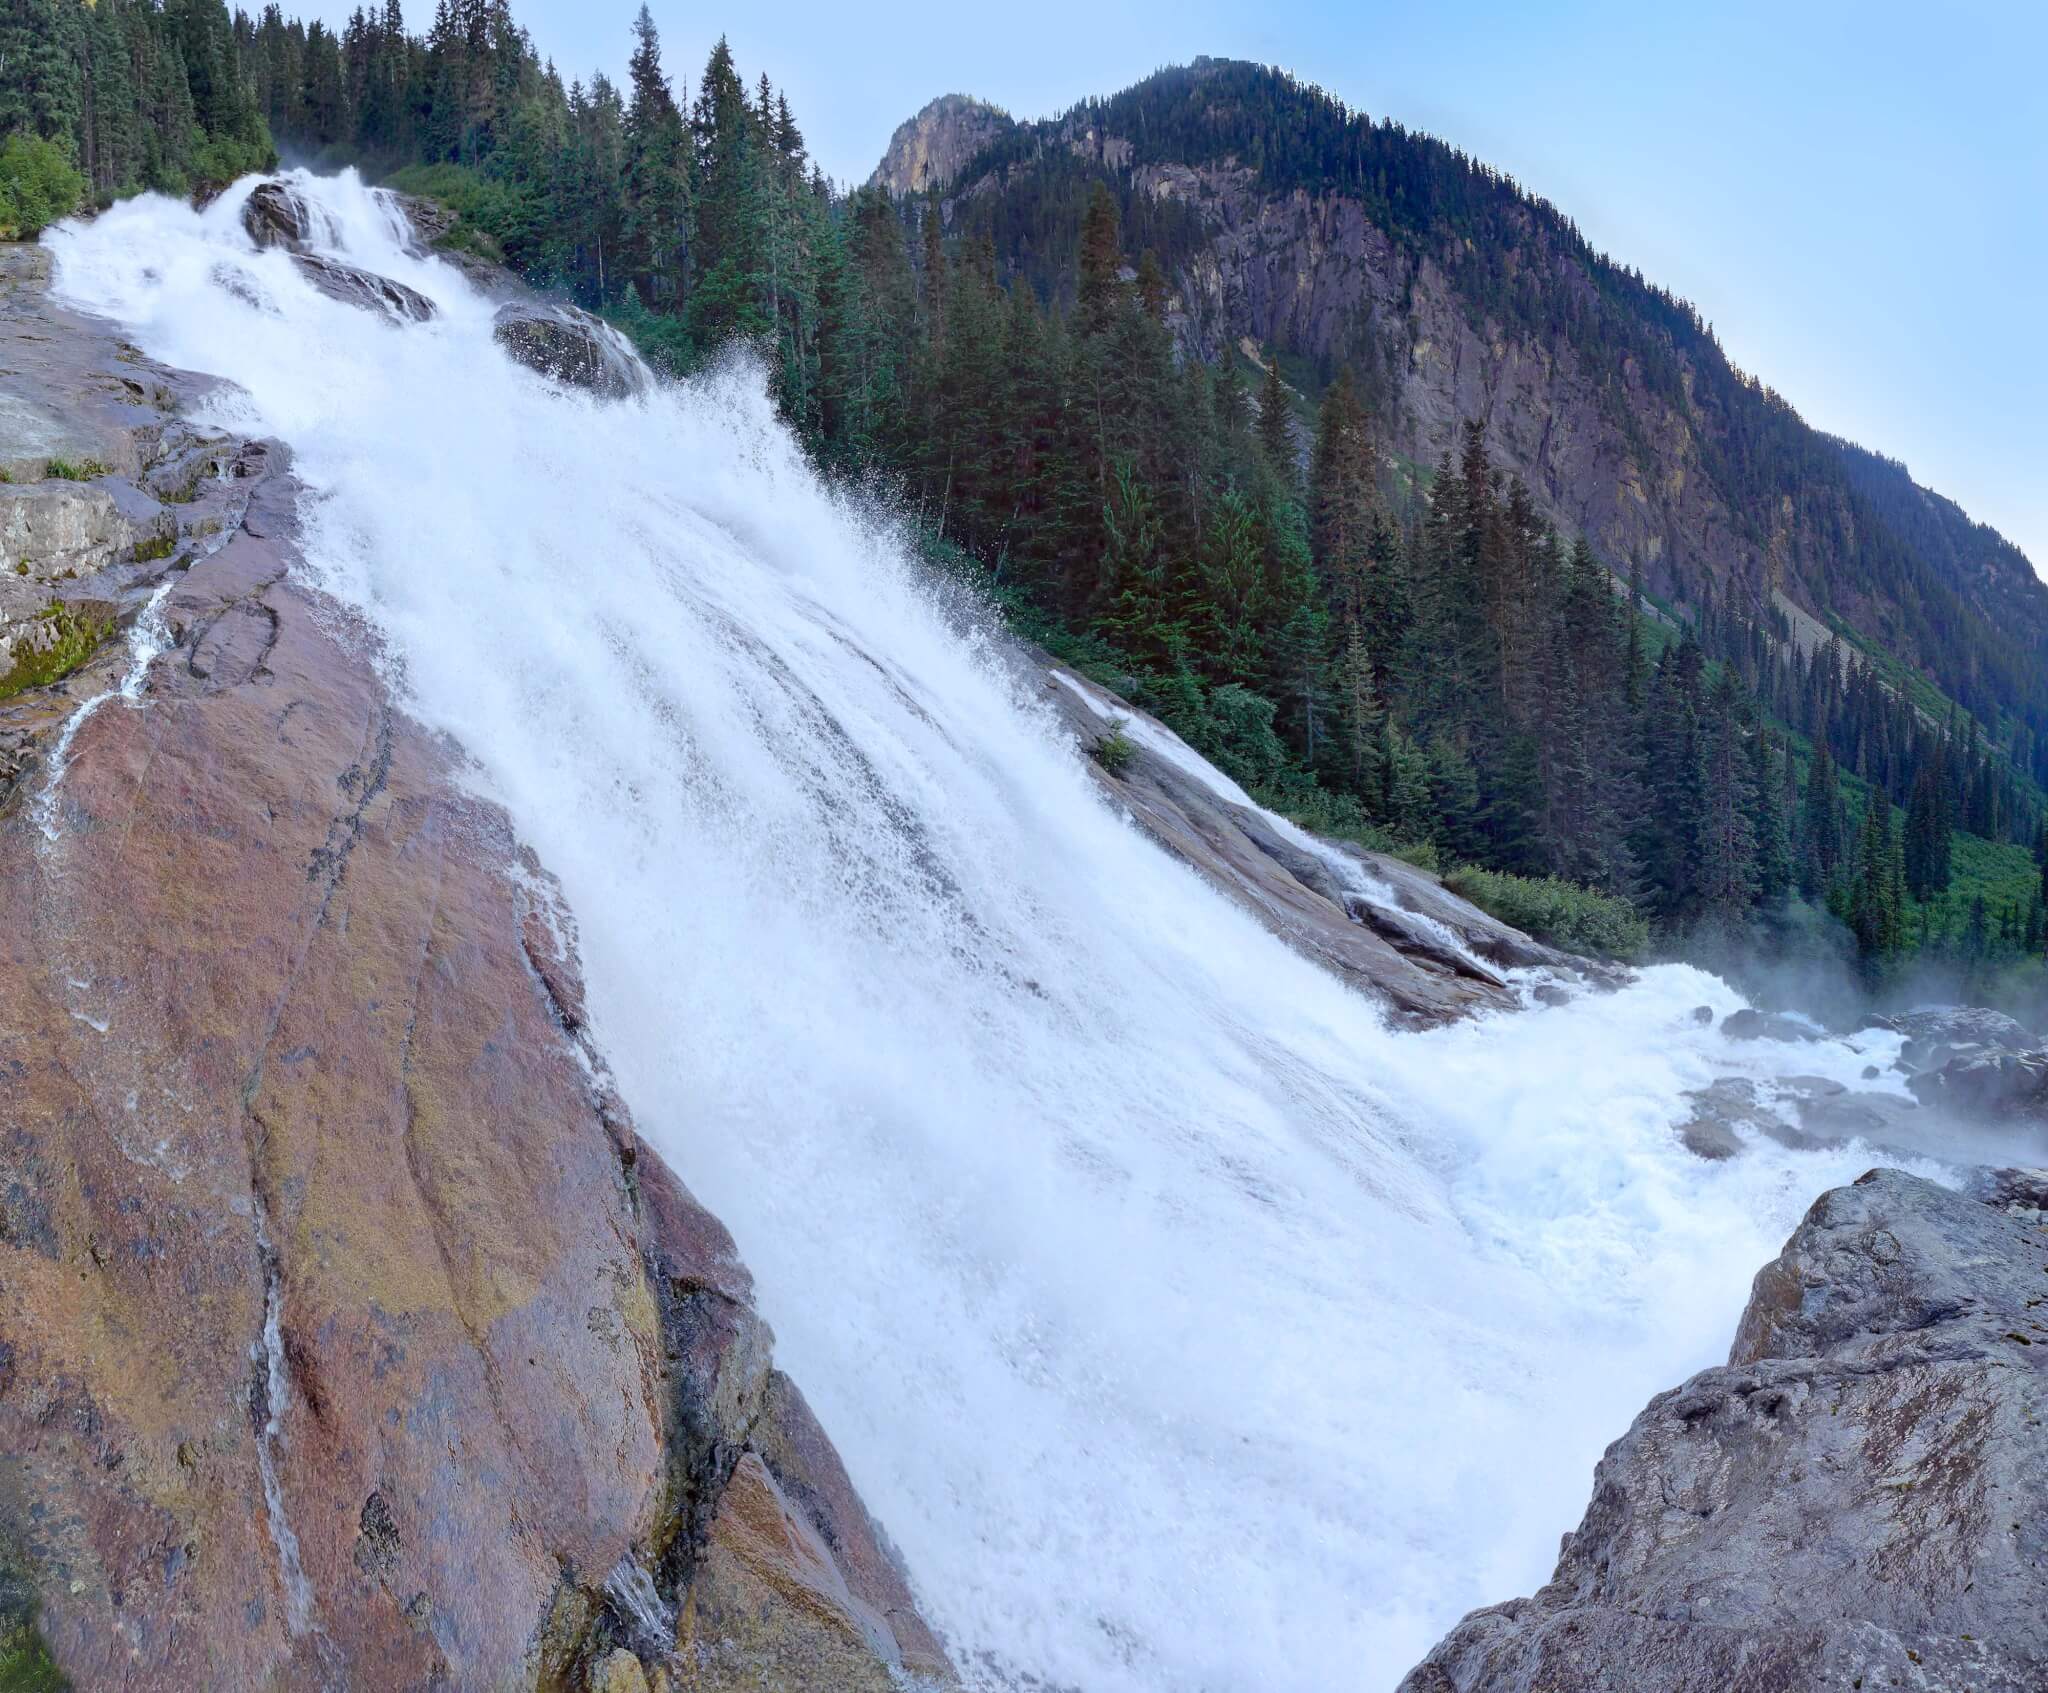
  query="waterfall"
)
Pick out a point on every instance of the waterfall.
point(1186, 1327)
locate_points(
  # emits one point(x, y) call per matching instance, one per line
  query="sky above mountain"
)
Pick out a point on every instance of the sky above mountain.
point(1855, 195)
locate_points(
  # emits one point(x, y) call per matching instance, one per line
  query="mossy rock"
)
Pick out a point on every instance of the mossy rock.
point(25, 1662)
point(67, 639)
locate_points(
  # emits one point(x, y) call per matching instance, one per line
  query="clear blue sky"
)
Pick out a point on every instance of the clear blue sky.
point(1856, 196)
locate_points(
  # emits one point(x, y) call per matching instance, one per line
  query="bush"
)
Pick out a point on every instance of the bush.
point(1558, 912)
point(38, 185)
point(494, 221)
point(218, 160)
point(1113, 749)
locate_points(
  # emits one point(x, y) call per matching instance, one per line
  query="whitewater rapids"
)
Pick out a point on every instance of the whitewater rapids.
point(1186, 1328)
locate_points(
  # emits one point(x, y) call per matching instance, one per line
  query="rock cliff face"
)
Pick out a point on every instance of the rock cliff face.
point(1857, 1500)
point(1314, 273)
point(928, 150)
point(349, 1335)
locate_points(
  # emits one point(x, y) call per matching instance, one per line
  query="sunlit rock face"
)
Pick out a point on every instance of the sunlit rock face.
point(349, 1333)
point(928, 150)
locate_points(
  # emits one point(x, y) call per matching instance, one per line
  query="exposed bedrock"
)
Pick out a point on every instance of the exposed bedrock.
point(349, 1334)
point(1858, 1499)
point(1385, 926)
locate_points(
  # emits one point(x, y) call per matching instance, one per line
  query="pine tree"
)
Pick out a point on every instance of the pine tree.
point(1276, 424)
point(730, 295)
point(1341, 505)
point(41, 85)
point(1876, 895)
point(654, 223)
point(1101, 263)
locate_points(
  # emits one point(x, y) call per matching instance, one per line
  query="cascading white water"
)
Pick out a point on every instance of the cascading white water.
point(1186, 1328)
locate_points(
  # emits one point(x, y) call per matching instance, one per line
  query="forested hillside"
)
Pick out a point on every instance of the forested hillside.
point(1230, 522)
point(1280, 214)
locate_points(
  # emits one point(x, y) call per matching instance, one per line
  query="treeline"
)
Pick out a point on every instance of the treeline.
point(107, 99)
point(1443, 668)
point(1415, 661)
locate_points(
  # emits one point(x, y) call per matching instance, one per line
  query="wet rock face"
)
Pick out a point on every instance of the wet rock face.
point(1975, 1063)
point(1417, 948)
point(364, 289)
point(570, 347)
point(1858, 1499)
point(1989, 1084)
point(1764, 1025)
point(275, 216)
point(349, 1336)
point(105, 487)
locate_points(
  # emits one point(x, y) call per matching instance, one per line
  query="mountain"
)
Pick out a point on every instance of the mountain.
point(928, 150)
point(1285, 220)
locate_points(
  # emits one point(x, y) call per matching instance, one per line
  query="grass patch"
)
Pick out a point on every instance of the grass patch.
point(72, 640)
point(1555, 911)
point(78, 470)
point(148, 552)
point(25, 1662)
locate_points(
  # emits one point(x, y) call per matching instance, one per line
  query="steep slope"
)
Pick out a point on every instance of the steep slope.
point(1284, 218)
point(349, 1334)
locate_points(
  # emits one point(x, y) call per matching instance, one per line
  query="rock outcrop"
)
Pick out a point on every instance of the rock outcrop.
point(364, 289)
point(1382, 925)
point(929, 150)
point(349, 1334)
point(570, 347)
point(277, 215)
point(1857, 1500)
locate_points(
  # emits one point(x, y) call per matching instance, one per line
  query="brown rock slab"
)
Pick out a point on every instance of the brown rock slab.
point(769, 1609)
point(348, 1334)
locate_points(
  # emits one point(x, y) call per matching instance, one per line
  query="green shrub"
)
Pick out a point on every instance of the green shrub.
point(492, 218)
point(38, 185)
point(76, 639)
point(218, 160)
point(1556, 911)
point(1422, 854)
point(1113, 749)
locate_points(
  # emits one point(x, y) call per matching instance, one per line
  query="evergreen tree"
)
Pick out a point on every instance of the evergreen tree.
point(654, 226)
point(1276, 424)
point(1101, 263)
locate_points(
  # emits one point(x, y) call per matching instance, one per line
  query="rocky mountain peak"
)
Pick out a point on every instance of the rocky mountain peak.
point(928, 150)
